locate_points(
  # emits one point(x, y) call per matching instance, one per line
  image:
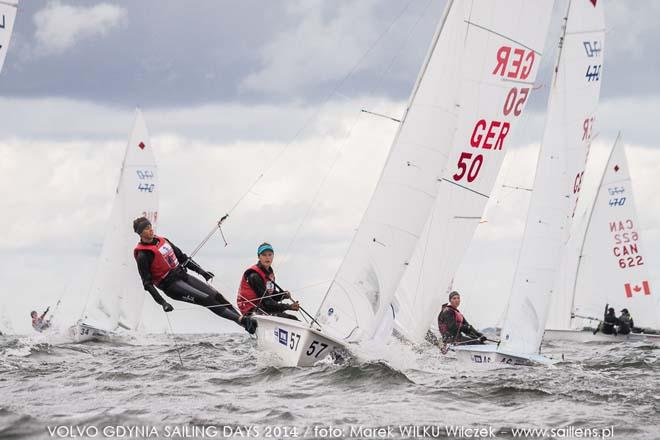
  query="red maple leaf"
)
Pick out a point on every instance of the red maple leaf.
point(616, 168)
point(141, 145)
point(593, 2)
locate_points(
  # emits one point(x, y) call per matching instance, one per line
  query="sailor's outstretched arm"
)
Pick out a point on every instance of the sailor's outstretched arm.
point(144, 260)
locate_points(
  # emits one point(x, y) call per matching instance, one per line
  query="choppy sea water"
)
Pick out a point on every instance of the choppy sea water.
point(136, 388)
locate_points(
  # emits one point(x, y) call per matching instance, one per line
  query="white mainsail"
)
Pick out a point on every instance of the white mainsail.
point(7, 18)
point(612, 264)
point(458, 208)
point(476, 79)
point(564, 149)
point(117, 296)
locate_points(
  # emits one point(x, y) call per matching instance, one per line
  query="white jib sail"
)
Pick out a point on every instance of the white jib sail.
point(7, 18)
point(613, 267)
point(564, 149)
point(477, 75)
point(489, 114)
point(117, 295)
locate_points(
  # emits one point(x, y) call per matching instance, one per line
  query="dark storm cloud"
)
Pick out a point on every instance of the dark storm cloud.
point(196, 52)
point(187, 53)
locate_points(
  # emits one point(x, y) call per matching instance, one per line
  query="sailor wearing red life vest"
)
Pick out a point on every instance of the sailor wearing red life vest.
point(453, 326)
point(158, 262)
point(258, 292)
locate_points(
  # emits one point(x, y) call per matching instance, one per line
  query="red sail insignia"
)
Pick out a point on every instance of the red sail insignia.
point(637, 289)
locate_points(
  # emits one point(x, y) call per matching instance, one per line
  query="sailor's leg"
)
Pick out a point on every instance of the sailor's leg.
point(215, 296)
point(187, 290)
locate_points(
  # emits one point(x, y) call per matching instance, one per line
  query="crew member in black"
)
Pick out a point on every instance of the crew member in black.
point(260, 280)
point(626, 323)
point(609, 322)
point(453, 326)
point(165, 272)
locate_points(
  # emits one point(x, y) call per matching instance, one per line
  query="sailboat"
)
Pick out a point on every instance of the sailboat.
point(560, 168)
point(612, 265)
point(469, 94)
point(116, 296)
point(8, 16)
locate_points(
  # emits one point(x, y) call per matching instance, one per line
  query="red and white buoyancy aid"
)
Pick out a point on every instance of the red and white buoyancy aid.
point(458, 318)
point(164, 259)
point(247, 297)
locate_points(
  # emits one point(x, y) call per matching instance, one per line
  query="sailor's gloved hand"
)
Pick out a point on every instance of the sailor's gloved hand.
point(483, 339)
point(167, 307)
point(295, 306)
point(286, 294)
point(207, 274)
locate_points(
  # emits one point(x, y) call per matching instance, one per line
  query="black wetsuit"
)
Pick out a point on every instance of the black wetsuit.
point(270, 304)
point(451, 331)
point(626, 324)
point(181, 286)
point(609, 321)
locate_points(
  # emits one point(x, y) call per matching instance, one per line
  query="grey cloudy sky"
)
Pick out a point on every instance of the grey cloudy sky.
point(225, 87)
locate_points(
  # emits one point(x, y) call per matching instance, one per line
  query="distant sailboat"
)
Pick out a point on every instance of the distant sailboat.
point(117, 296)
point(612, 265)
point(564, 149)
point(7, 18)
point(472, 86)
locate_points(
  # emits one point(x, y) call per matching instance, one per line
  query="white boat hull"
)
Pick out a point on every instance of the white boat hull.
point(295, 343)
point(588, 336)
point(82, 332)
point(488, 356)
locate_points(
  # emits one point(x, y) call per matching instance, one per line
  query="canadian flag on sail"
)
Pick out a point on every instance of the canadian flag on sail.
point(637, 289)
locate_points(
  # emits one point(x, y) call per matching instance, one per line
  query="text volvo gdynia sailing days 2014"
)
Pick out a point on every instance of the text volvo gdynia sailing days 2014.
point(171, 431)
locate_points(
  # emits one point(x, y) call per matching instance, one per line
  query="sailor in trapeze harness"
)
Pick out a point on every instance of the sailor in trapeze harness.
point(258, 292)
point(158, 263)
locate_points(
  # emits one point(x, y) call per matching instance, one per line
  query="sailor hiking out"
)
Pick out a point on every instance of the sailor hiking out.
point(258, 293)
point(158, 263)
point(40, 323)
